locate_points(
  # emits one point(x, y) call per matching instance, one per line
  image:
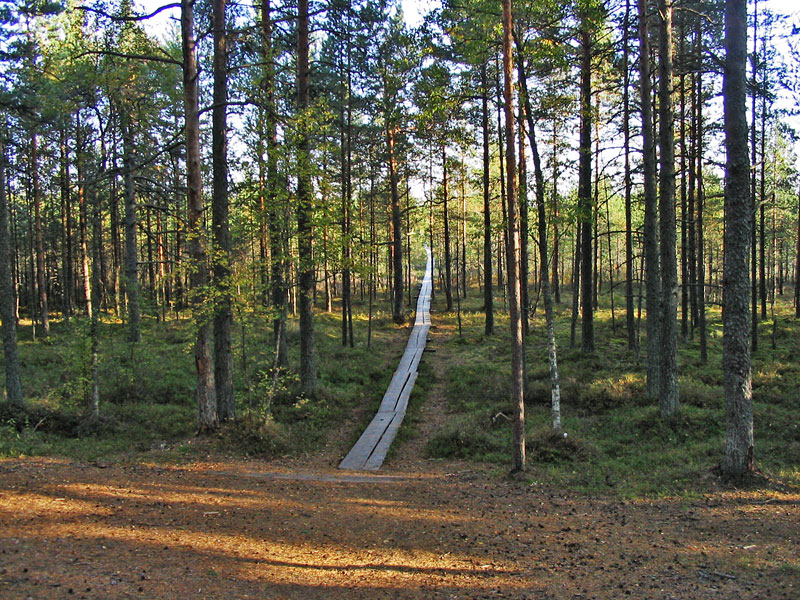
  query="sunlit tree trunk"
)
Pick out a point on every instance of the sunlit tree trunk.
point(131, 254)
point(448, 267)
point(738, 458)
point(555, 386)
point(305, 213)
point(223, 313)
point(668, 396)
point(630, 324)
point(205, 393)
point(651, 253)
point(513, 250)
point(275, 205)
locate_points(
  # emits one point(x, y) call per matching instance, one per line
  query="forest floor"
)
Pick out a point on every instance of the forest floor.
point(225, 527)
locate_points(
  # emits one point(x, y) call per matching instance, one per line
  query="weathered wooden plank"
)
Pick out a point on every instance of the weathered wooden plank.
point(363, 448)
point(370, 450)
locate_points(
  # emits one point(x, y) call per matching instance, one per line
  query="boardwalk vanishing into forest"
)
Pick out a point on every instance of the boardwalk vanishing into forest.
point(370, 450)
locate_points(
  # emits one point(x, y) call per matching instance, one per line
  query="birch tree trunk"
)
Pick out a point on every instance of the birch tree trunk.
point(552, 347)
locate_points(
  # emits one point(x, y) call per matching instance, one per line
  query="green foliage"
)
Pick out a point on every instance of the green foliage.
point(616, 442)
point(147, 389)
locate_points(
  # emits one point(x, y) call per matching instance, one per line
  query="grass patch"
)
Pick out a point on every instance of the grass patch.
point(616, 441)
point(147, 389)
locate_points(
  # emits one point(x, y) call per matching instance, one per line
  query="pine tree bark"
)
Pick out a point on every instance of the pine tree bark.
point(668, 396)
point(347, 196)
point(305, 213)
point(397, 227)
point(66, 227)
point(585, 208)
point(753, 204)
point(7, 293)
point(205, 392)
point(739, 443)
point(223, 313)
point(41, 274)
point(556, 277)
point(513, 251)
point(83, 218)
point(276, 208)
point(552, 347)
point(93, 407)
point(630, 323)
point(488, 288)
point(131, 253)
point(448, 267)
point(522, 193)
point(701, 288)
point(797, 263)
point(651, 251)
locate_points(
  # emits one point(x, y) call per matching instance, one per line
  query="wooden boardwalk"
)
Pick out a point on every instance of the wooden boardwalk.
point(370, 450)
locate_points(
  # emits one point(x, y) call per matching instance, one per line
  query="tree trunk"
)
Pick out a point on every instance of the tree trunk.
point(223, 313)
point(701, 288)
point(82, 225)
point(276, 207)
point(93, 406)
point(7, 295)
point(630, 324)
point(131, 255)
point(66, 227)
point(397, 230)
point(576, 281)
point(41, 274)
point(668, 347)
point(305, 213)
point(488, 291)
point(556, 242)
point(585, 208)
point(448, 267)
point(555, 387)
point(522, 193)
point(738, 458)
point(797, 263)
point(753, 203)
point(651, 252)
point(205, 393)
point(513, 251)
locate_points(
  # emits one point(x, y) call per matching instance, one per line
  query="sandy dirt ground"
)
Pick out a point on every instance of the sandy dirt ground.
point(300, 528)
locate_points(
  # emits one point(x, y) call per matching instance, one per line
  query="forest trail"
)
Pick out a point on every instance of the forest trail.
point(371, 449)
point(301, 528)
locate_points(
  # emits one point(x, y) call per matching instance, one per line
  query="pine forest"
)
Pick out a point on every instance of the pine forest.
point(383, 298)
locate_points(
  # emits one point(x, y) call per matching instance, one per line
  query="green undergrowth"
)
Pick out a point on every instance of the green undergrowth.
point(613, 439)
point(147, 389)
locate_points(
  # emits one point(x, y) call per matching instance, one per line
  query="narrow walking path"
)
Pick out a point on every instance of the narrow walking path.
point(371, 448)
